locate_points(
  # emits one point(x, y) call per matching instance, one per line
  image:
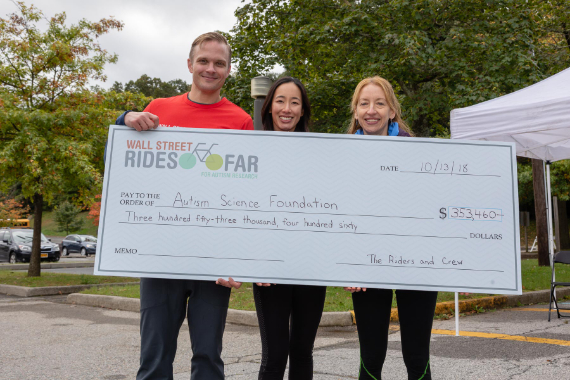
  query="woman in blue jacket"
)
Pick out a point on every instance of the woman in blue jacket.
point(376, 112)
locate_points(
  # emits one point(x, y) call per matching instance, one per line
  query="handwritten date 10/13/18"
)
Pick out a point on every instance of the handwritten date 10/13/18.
point(471, 213)
point(444, 168)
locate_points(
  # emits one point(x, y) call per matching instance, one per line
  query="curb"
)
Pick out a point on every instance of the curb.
point(25, 291)
point(109, 302)
point(529, 298)
point(46, 266)
point(341, 318)
point(238, 317)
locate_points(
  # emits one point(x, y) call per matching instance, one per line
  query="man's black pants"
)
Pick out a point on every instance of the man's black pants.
point(164, 305)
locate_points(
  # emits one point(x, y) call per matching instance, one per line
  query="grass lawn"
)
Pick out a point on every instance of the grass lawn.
point(337, 299)
point(531, 234)
point(49, 226)
point(533, 278)
point(57, 279)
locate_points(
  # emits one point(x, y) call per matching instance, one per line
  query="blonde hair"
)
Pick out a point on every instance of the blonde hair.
point(390, 99)
point(210, 36)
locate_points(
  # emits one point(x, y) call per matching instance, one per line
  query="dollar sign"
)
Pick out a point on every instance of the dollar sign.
point(442, 213)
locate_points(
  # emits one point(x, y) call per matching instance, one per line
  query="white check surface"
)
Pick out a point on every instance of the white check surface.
point(317, 209)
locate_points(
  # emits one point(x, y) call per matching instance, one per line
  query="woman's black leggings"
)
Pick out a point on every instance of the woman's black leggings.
point(415, 312)
point(276, 305)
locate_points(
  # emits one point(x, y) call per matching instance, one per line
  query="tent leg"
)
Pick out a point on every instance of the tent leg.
point(456, 314)
point(550, 231)
point(550, 303)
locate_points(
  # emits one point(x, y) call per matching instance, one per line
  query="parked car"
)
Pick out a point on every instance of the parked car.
point(16, 245)
point(84, 244)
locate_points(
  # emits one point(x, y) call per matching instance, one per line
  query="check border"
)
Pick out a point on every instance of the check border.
point(294, 135)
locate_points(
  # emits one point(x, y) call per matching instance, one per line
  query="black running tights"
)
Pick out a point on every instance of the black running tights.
point(415, 312)
point(276, 305)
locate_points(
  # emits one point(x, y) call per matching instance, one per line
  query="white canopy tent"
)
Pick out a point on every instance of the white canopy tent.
point(536, 118)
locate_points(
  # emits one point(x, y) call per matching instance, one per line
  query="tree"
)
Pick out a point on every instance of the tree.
point(439, 55)
point(52, 127)
point(10, 209)
point(153, 87)
point(67, 218)
point(117, 87)
point(559, 181)
point(95, 211)
point(553, 17)
point(532, 192)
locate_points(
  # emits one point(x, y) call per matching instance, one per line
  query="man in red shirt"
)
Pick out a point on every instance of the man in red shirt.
point(166, 302)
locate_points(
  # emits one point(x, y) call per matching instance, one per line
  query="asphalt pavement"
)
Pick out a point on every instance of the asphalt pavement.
point(50, 339)
point(46, 338)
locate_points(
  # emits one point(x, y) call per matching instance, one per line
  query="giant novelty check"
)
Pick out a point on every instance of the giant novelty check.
point(306, 208)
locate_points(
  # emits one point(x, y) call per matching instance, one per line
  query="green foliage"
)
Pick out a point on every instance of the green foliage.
point(10, 209)
point(478, 309)
point(52, 128)
point(553, 17)
point(153, 87)
point(526, 190)
point(50, 227)
point(439, 55)
point(67, 218)
point(39, 67)
point(559, 181)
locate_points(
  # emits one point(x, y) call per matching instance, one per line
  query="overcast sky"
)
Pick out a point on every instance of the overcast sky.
point(157, 35)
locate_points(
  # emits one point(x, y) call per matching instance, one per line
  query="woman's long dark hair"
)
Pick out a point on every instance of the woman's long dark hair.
point(267, 120)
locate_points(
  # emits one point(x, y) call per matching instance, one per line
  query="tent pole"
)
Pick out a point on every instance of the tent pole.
point(550, 230)
point(456, 314)
point(546, 192)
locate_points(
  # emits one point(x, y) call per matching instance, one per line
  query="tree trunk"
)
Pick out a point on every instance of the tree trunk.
point(561, 225)
point(34, 270)
point(566, 33)
point(540, 211)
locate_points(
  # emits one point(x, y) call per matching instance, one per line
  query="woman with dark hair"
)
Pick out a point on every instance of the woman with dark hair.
point(291, 89)
point(286, 109)
point(376, 111)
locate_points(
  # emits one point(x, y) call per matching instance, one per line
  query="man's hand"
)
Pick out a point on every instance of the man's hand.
point(141, 121)
point(354, 289)
point(230, 283)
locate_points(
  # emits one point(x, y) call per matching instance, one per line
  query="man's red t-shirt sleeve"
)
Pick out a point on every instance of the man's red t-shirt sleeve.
point(248, 124)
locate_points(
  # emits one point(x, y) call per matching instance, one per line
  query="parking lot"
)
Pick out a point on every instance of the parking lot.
point(50, 339)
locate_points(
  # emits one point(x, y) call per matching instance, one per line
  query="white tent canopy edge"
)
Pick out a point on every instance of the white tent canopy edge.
point(536, 118)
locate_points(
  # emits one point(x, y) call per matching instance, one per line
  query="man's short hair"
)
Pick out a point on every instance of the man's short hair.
point(210, 36)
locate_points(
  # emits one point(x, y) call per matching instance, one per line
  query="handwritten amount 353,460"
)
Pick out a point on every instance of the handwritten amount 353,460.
point(471, 213)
